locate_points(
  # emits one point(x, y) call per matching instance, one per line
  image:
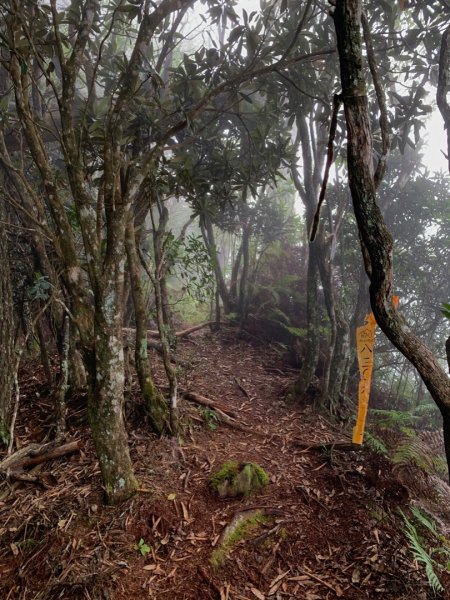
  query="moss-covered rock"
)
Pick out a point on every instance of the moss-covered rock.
point(238, 479)
point(239, 529)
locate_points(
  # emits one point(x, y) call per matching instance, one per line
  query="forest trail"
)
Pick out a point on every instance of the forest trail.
point(334, 533)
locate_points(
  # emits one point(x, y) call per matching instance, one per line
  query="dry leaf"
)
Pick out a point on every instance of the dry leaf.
point(185, 512)
point(278, 578)
point(14, 549)
point(356, 576)
point(257, 593)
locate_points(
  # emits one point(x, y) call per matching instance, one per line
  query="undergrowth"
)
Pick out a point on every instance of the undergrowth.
point(428, 547)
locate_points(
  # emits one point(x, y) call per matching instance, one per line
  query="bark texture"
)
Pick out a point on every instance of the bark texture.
point(106, 396)
point(7, 356)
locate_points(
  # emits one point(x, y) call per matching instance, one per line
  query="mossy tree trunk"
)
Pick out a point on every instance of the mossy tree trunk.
point(106, 392)
point(159, 235)
point(155, 403)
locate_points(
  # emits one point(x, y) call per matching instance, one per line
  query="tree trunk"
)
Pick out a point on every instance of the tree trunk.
point(106, 392)
point(210, 242)
point(44, 354)
point(444, 108)
point(311, 356)
point(63, 383)
point(339, 364)
point(7, 356)
point(376, 240)
point(308, 187)
point(234, 278)
point(163, 326)
point(154, 401)
point(77, 373)
point(243, 283)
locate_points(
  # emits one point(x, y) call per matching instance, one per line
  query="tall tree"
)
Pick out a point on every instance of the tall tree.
point(376, 240)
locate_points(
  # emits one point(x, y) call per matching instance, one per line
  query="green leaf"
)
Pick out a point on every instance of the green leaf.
point(142, 547)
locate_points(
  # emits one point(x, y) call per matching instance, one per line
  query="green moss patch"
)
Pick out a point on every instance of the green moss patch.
point(238, 479)
point(239, 529)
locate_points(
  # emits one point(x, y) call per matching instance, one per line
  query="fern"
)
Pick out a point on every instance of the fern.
point(440, 465)
point(424, 521)
point(421, 554)
point(413, 450)
point(395, 419)
point(426, 409)
point(376, 444)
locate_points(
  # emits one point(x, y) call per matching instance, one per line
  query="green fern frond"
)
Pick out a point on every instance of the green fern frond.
point(421, 554)
point(278, 316)
point(425, 409)
point(376, 444)
point(413, 450)
point(424, 520)
point(440, 465)
point(393, 419)
point(433, 579)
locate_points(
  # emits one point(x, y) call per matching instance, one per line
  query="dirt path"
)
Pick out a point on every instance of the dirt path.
point(333, 535)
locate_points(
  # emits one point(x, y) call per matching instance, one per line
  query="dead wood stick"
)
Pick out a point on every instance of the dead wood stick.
point(179, 334)
point(242, 388)
point(203, 401)
point(316, 578)
point(29, 461)
point(25, 477)
point(26, 451)
point(328, 445)
point(222, 416)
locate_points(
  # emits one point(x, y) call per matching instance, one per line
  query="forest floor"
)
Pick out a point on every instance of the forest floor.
point(334, 531)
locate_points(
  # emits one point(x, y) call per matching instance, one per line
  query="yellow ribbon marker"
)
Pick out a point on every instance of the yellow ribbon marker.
point(365, 339)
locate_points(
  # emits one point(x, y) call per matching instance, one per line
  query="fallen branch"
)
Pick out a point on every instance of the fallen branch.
point(29, 450)
point(328, 445)
point(178, 334)
point(27, 478)
point(221, 415)
point(35, 455)
point(203, 401)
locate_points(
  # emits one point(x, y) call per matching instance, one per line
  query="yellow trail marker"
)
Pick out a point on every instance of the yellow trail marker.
point(365, 339)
